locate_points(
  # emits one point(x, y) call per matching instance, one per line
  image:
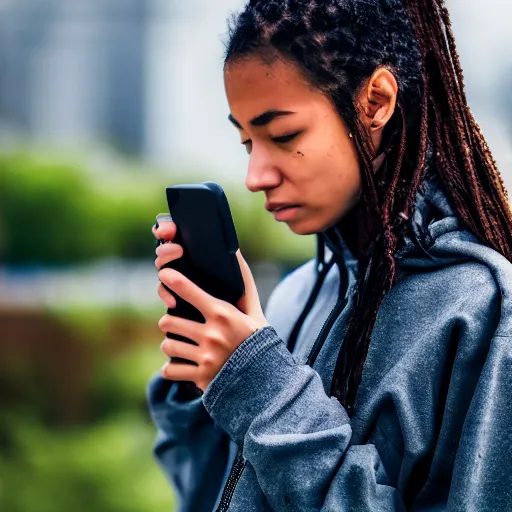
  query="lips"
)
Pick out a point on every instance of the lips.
point(277, 207)
point(286, 214)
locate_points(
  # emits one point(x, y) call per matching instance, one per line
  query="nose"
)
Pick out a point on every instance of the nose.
point(262, 173)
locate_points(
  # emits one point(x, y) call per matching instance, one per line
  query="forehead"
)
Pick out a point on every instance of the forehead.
point(253, 86)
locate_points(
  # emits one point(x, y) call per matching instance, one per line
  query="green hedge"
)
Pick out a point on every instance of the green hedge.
point(104, 463)
point(55, 211)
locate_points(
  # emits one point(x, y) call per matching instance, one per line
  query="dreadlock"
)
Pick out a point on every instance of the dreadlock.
point(338, 44)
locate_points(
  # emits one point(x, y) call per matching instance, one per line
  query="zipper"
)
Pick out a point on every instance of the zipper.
point(234, 475)
point(239, 463)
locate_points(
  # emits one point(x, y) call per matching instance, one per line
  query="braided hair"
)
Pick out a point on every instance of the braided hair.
point(338, 44)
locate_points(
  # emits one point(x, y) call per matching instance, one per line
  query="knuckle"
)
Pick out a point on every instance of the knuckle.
point(207, 360)
point(220, 312)
point(213, 336)
point(174, 349)
point(179, 349)
point(168, 230)
point(178, 279)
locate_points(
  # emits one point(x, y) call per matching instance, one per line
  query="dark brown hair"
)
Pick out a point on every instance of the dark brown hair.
point(338, 44)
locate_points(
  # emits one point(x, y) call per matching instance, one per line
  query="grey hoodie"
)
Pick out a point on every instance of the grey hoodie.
point(432, 427)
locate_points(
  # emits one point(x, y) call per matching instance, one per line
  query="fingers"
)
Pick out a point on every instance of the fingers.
point(247, 276)
point(178, 371)
point(166, 253)
point(164, 228)
point(190, 292)
point(175, 348)
point(167, 297)
point(250, 302)
point(181, 326)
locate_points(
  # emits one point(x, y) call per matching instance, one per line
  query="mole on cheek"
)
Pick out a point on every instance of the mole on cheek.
point(300, 153)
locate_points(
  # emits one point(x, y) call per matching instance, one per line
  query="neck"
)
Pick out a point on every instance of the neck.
point(357, 230)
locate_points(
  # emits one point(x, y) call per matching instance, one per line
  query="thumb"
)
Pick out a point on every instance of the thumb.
point(250, 302)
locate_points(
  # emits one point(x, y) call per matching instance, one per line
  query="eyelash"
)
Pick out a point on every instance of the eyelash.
point(280, 140)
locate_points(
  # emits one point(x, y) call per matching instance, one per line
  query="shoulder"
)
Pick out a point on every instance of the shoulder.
point(479, 271)
point(468, 284)
point(452, 291)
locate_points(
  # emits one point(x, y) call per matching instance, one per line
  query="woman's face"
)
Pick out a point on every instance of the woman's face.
point(300, 152)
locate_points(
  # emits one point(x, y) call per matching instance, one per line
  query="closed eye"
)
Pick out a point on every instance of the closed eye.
point(279, 140)
point(285, 138)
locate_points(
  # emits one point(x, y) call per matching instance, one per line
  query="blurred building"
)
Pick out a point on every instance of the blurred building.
point(146, 77)
point(74, 70)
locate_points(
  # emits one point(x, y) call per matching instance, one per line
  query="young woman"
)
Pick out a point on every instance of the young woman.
point(380, 376)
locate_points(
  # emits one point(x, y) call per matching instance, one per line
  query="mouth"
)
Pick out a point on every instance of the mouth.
point(275, 207)
point(285, 213)
point(282, 208)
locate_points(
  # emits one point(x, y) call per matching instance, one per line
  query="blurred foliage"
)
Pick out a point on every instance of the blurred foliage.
point(75, 432)
point(106, 467)
point(55, 211)
point(104, 464)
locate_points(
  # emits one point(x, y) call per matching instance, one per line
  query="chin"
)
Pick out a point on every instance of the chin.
point(306, 228)
point(311, 226)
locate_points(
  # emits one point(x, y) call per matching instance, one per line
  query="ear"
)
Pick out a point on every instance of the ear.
point(377, 100)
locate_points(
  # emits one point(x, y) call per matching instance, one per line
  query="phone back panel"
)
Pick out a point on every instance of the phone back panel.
point(206, 231)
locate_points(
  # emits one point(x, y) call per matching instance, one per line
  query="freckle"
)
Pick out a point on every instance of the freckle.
point(300, 153)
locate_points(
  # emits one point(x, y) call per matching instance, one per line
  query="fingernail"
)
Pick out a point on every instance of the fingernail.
point(163, 217)
point(156, 225)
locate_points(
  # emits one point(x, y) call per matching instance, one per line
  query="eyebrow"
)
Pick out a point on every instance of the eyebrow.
point(263, 119)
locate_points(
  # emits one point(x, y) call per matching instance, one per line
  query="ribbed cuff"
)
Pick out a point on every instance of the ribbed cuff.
point(167, 412)
point(247, 381)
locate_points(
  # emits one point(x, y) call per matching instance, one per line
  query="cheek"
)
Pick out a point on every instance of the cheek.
point(335, 184)
point(338, 173)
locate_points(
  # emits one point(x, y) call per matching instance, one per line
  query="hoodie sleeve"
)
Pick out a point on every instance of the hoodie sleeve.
point(482, 477)
point(190, 449)
point(295, 436)
point(299, 440)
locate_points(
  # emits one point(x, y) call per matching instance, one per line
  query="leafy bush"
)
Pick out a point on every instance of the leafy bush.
point(106, 467)
point(104, 464)
point(54, 211)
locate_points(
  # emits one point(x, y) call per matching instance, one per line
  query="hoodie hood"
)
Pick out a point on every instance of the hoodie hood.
point(435, 239)
point(433, 216)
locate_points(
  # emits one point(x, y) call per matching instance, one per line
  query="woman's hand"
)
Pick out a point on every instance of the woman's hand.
point(225, 328)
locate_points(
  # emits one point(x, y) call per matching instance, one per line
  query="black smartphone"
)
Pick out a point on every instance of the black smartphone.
point(206, 231)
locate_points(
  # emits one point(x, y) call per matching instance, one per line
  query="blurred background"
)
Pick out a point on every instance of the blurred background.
point(102, 105)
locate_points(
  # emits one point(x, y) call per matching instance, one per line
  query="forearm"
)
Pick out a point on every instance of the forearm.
point(293, 434)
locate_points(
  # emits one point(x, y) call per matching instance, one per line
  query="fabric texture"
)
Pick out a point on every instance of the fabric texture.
point(432, 428)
